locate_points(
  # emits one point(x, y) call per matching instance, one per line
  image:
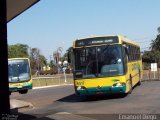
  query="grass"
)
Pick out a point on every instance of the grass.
point(47, 81)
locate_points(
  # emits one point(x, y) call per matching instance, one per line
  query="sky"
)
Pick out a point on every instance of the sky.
point(51, 24)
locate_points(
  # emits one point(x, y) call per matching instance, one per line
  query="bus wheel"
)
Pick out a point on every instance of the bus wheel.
point(23, 91)
point(139, 83)
point(130, 85)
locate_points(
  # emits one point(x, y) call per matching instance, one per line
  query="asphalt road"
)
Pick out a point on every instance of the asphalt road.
point(145, 99)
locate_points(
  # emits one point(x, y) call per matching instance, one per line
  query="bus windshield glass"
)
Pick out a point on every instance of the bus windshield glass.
point(98, 61)
point(18, 70)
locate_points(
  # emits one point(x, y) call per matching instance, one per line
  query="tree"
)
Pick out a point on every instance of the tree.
point(51, 64)
point(42, 61)
point(37, 60)
point(155, 44)
point(18, 50)
point(158, 29)
point(57, 55)
point(150, 57)
point(65, 56)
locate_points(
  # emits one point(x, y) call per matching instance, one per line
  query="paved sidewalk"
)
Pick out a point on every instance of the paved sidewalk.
point(17, 104)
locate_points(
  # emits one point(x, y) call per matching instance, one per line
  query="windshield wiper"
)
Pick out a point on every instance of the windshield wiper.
point(18, 72)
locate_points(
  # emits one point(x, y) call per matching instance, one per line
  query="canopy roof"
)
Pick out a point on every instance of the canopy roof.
point(16, 7)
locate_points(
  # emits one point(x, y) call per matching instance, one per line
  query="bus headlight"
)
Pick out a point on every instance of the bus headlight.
point(119, 84)
point(80, 87)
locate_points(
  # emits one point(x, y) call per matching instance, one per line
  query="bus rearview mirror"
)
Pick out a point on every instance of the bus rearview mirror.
point(126, 48)
point(70, 52)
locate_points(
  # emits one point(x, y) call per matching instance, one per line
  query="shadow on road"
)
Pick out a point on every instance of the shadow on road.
point(72, 98)
point(75, 98)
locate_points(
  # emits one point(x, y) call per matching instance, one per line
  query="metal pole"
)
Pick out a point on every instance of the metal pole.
point(4, 89)
point(64, 71)
point(158, 74)
point(58, 76)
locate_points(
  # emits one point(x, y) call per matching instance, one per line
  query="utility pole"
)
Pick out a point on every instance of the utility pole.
point(4, 89)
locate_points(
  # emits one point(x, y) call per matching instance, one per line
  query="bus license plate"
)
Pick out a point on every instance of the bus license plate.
point(19, 87)
point(99, 92)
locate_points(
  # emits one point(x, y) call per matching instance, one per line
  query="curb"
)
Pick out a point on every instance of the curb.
point(64, 116)
point(50, 86)
point(17, 104)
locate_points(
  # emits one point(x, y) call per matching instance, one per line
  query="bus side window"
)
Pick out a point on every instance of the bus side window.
point(125, 59)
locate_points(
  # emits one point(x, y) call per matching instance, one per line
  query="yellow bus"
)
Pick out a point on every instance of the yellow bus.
point(106, 65)
point(19, 75)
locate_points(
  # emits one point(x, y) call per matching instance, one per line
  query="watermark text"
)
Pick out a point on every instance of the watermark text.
point(137, 117)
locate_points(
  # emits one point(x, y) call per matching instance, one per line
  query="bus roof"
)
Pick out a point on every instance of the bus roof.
point(120, 38)
point(124, 39)
point(17, 58)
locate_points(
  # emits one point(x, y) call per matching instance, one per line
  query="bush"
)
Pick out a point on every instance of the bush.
point(49, 72)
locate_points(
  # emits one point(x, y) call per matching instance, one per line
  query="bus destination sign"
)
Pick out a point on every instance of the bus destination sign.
point(96, 41)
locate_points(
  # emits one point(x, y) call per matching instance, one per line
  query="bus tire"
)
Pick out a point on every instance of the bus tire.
point(139, 83)
point(23, 91)
point(130, 85)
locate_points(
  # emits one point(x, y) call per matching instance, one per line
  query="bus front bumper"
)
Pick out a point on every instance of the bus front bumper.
point(18, 88)
point(102, 90)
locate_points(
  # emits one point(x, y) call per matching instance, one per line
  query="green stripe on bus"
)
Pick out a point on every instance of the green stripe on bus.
point(102, 90)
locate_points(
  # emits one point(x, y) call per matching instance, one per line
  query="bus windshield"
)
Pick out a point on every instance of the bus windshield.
point(18, 70)
point(98, 61)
